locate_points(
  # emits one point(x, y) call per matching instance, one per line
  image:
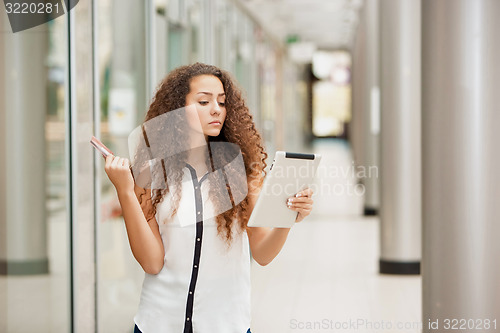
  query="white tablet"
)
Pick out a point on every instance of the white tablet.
point(289, 174)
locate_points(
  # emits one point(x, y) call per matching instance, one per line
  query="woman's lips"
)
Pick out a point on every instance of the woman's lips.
point(215, 123)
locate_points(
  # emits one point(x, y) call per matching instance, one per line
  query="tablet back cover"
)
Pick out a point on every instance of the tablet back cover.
point(289, 174)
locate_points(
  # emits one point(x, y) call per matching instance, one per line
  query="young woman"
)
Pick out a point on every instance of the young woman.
point(186, 225)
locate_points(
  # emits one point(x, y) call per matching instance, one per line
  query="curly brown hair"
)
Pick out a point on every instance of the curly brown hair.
point(238, 129)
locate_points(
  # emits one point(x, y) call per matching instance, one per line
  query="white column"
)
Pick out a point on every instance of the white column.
point(461, 162)
point(400, 169)
point(23, 80)
point(371, 106)
point(358, 77)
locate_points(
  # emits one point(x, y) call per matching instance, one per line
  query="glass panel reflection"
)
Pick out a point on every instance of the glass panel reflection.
point(34, 229)
point(122, 80)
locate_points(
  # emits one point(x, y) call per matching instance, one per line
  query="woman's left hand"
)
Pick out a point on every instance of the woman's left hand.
point(301, 203)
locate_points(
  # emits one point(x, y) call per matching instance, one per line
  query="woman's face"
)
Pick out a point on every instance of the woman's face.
point(206, 93)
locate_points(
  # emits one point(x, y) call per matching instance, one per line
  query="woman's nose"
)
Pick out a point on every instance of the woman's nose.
point(216, 108)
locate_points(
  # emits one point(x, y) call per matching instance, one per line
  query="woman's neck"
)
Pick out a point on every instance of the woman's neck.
point(197, 139)
point(198, 152)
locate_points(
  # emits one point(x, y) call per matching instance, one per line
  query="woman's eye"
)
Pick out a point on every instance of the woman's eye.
point(203, 102)
point(222, 104)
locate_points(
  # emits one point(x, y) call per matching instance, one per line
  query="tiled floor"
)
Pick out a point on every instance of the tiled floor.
point(327, 276)
point(40, 303)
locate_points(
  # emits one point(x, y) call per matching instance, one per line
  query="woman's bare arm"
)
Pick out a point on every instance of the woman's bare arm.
point(266, 243)
point(144, 236)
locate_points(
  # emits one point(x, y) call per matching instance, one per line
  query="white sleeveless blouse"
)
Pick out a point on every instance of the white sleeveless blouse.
point(204, 285)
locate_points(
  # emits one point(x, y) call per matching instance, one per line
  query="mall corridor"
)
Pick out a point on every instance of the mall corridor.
point(399, 97)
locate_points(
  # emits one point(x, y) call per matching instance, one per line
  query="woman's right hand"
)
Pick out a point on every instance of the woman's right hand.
point(118, 171)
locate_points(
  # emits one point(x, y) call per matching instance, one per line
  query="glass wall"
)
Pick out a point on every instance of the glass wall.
point(80, 114)
point(121, 51)
point(35, 266)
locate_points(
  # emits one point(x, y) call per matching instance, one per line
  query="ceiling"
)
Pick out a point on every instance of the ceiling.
point(329, 24)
